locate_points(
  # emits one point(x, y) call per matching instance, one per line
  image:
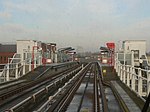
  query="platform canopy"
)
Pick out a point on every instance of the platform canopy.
point(104, 49)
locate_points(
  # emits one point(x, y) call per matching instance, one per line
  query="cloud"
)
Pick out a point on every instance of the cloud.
point(20, 6)
point(5, 15)
point(76, 22)
point(101, 6)
point(131, 4)
point(139, 29)
point(12, 32)
point(9, 27)
point(30, 6)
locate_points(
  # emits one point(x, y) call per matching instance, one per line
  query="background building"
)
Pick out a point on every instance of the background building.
point(6, 51)
point(132, 51)
point(26, 47)
point(137, 46)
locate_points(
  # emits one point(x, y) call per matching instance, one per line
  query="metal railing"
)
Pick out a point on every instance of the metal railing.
point(17, 68)
point(137, 79)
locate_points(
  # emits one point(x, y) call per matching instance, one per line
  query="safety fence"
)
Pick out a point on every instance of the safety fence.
point(136, 78)
point(17, 67)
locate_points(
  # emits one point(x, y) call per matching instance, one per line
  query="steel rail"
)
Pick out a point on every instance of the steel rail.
point(101, 88)
point(122, 104)
point(59, 101)
point(96, 91)
point(120, 101)
point(82, 98)
point(21, 88)
point(68, 97)
point(34, 96)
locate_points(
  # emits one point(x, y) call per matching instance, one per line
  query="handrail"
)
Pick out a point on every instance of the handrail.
point(15, 68)
point(137, 79)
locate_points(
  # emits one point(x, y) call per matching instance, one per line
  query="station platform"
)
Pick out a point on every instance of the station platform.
point(131, 100)
point(132, 107)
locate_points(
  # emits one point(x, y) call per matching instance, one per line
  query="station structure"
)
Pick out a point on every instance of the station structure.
point(66, 54)
point(119, 77)
point(107, 54)
point(127, 65)
point(26, 55)
point(126, 61)
point(6, 51)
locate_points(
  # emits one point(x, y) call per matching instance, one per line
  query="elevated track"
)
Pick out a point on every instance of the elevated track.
point(76, 88)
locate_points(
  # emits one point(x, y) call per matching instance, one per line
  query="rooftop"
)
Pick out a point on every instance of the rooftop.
point(134, 41)
point(8, 48)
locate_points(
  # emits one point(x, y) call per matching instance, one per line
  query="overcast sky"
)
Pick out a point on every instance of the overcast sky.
point(86, 23)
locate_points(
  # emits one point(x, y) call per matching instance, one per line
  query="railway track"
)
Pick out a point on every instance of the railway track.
point(48, 83)
point(12, 89)
point(83, 87)
point(60, 101)
point(96, 105)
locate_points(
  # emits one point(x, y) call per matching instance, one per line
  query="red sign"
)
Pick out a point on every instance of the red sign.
point(111, 45)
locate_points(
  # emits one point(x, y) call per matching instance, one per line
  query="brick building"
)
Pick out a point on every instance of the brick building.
point(49, 51)
point(6, 51)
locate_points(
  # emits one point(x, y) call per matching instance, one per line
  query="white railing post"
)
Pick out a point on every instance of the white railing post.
point(128, 74)
point(121, 72)
point(3, 75)
point(139, 82)
point(124, 58)
point(119, 69)
point(16, 71)
point(116, 64)
point(30, 61)
point(133, 79)
point(148, 82)
point(7, 73)
point(132, 58)
point(124, 74)
point(40, 60)
point(24, 68)
point(35, 62)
